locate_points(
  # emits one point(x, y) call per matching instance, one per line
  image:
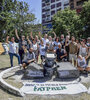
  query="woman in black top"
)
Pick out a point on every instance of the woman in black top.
point(22, 44)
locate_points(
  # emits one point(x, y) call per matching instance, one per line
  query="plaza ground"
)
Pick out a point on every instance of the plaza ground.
point(4, 95)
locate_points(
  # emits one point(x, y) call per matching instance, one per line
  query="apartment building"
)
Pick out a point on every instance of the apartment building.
point(76, 4)
point(49, 8)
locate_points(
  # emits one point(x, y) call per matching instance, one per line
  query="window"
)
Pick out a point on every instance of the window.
point(43, 0)
point(66, 4)
point(43, 21)
point(43, 16)
point(52, 1)
point(53, 12)
point(79, 3)
point(43, 10)
point(59, 9)
point(43, 4)
point(72, 6)
point(52, 6)
point(47, 1)
point(59, 4)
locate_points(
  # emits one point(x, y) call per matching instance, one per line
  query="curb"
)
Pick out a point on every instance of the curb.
point(9, 87)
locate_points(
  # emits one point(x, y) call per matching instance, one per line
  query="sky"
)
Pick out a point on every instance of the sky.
point(35, 7)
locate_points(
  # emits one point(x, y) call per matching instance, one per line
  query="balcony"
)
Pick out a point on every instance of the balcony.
point(53, 12)
point(43, 0)
point(48, 19)
point(47, 8)
point(48, 13)
point(47, 2)
point(59, 4)
point(52, 1)
point(53, 6)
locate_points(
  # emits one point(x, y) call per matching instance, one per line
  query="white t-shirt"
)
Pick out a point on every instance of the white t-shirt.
point(83, 51)
point(45, 41)
point(42, 50)
point(82, 63)
point(56, 45)
point(34, 46)
point(12, 47)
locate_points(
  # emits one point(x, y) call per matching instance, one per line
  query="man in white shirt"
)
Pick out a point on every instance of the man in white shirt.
point(13, 50)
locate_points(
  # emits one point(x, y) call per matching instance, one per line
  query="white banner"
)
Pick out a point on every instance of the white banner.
point(52, 88)
point(89, 91)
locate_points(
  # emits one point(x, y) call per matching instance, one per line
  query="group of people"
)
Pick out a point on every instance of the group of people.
point(65, 48)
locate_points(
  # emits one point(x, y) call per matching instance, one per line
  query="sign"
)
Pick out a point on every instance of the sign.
point(52, 88)
point(64, 73)
point(35, 74)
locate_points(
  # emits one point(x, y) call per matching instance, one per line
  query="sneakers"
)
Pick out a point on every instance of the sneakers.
point(20, 66)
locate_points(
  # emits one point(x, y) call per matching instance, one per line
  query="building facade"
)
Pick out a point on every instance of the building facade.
point(76, 4)
point(49, 8)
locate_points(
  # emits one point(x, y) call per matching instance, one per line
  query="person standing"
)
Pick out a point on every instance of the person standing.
point(35, 47)
point(42, 50)
point(56, 43)
point(83, 50)
point(62, 40)
point(67, 42)
point(73, 50)
point(22, 44)
point(13, 50)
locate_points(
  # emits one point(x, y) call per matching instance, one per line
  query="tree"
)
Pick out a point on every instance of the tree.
point(85, 17)
point(67, 20)
point(5, 15)
point(15, 14)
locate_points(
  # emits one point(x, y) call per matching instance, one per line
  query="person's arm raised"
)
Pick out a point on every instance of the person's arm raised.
point(7, 39)
point(29, 40)
point(17, 34)
point(40, 36)
point(54, 35)
point(31, 36)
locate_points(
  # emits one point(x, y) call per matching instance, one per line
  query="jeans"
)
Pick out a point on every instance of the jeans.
point(21, 53)
point(11, 58)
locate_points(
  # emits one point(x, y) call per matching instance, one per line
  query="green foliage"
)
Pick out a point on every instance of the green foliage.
point(85, 17)
point(67, 20)
point(15, 14)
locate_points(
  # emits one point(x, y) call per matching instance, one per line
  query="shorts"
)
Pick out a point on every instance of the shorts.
point(42, 57)
point(26, 62)
point(72, 56)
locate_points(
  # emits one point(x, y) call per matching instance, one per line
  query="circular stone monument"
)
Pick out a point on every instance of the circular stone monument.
point(13, 80)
